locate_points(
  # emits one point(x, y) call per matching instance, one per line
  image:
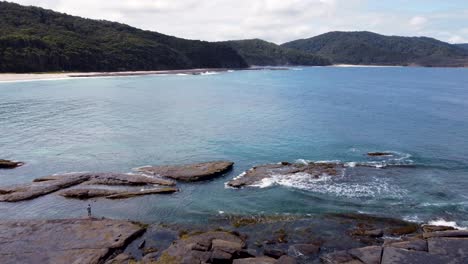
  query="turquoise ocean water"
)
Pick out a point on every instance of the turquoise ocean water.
point(251, 118)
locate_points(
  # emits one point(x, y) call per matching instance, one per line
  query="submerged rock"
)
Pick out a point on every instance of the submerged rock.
point(257, 174)
point(190, 172)
point(8, 164)
point(112, 194)
point(64, 241)
point(379, 154)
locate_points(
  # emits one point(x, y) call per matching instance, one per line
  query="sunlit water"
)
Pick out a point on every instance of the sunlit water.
point(251, 118)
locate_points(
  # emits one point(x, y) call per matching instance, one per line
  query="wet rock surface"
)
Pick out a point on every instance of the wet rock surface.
point(209, 247)
point(49, 184)
point(88, 193)
point(379, 154)
point(37, 189)
point(64, 241)
point(259, 173)
point(190, 172)
point(8, 164)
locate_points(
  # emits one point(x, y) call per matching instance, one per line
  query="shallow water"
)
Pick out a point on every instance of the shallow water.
point(251, 118)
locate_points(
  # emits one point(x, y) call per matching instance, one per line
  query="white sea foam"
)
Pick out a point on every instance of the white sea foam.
point(326, 184)
point(209, 73)
point(442, 222)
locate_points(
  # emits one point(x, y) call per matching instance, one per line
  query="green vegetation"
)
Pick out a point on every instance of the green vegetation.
point(33, 39)
point(371, 48)
point(463, 46)
point(261, 53)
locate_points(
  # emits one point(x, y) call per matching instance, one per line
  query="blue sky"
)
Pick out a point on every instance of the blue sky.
point(277, 20)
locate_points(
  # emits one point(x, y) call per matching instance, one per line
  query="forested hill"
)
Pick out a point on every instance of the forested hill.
point(262, 53)
point(33, 39)
point(372, 48)
point(463, 46)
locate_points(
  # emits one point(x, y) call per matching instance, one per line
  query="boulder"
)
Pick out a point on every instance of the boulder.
point(8, 164)
point(216, 246)
point(305, 249)
point(64, 241)
point(273, 252)
point(259, 173)
point(190, 172)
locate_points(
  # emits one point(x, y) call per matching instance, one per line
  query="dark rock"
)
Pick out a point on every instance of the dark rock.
point(127, 179)
point(418, 244)
point(142, 244)
point(81, 193)
point(258, 260)
point(8, 164)
point(379, 154)
point(434, 228)
point(257, 174)
point(108, 178)
point(149, 250)
point(369, 233)
point(449, 233)
point(122, 259)
point(339, 257)
point(202, 247)
point(367, 255)
point(86, 193)
point(273, 252)
point(305, 249)
point(190, 172)
point(227, 246)
point(36, 189)
point(219, 255)
point(455, 247)
point(286, 260)
point(64, 241)
point(397, 256)
point(130, 194)
point(404, 230)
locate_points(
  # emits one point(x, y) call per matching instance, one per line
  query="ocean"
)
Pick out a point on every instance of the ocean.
point(305, 114)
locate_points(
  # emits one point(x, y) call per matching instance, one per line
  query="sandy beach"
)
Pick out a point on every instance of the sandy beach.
point(14, 77)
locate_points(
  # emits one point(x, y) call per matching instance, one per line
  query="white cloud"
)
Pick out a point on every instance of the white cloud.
point(273, 20)
point(418, 22)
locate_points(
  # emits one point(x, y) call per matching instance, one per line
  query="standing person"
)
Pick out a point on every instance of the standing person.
point(89, 210)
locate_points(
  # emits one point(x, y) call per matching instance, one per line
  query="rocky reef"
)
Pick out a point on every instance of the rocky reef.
point(259, 173)
point(189, 172)
point(64, 241)
point(49, 184)
point(8, 164)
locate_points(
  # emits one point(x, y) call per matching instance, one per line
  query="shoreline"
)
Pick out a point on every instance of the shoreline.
point(20, 77)
point(24, 77)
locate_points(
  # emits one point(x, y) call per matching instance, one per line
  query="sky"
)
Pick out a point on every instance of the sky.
point(277, 21)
